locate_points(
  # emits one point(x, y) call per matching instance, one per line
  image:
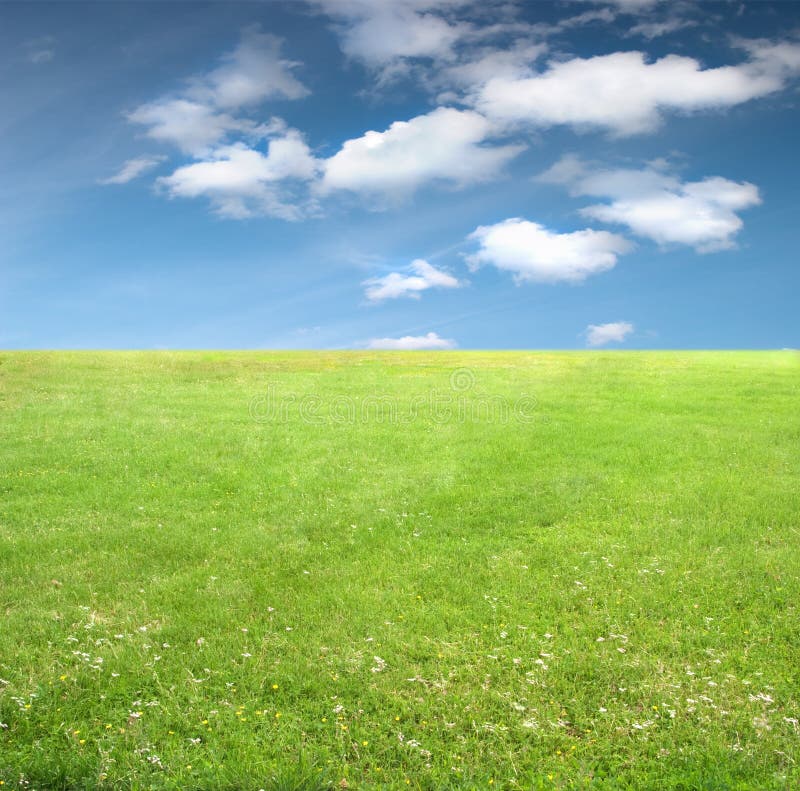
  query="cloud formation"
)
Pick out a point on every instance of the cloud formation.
point(380, 32)
point(242, 182)
point(657, 205)
point(626, 94)
point(133, 168)
point(201, 116)
point(613, 332)
point(445, 145)
point(420, 277)
point(412, 342)
point(533, 253)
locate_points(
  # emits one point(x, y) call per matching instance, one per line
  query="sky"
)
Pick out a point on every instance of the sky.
point(404, 174)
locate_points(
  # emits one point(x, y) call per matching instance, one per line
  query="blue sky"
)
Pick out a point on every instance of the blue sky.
point(406, 174)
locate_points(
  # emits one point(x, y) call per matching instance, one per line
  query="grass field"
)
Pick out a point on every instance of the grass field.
point(393, 570)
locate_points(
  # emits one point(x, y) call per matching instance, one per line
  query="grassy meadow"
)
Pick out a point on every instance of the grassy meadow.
point(399, 570)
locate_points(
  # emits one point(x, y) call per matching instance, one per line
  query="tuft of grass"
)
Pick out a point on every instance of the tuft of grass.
point(399, 570)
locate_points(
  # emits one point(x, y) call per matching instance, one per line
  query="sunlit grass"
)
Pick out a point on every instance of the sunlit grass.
point(197, 594)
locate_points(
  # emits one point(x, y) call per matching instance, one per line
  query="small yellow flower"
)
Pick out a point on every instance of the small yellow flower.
point(397, 719)
point(108, 726)
point(75, 733)
point(81, 741)
point(274, 686)
point(205, 722)
point(364, 743)
point(277, 715)
point(62, 678)
point(324, 719)
point(171, 733)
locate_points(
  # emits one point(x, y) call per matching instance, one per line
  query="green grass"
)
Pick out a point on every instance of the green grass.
point(605, 595)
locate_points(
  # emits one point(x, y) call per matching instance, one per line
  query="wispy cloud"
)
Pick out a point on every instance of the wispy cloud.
point(133, 168)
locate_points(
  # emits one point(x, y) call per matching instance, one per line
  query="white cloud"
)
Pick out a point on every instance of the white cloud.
point(191, 126)
point(253, 72)
point(512, 62)
point(420, 277)
point(632, 6)
point(614, 332)
point(657, 205)
point(625, 94)
point(533, 253)
point(379, 32)
point(651, 30)
point(242, 182)
point(412, 342)
point(199, 117)
point(443, 145)
point(133, 168)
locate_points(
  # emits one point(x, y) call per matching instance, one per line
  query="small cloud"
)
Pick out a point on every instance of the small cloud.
point(613, 332)
point(533, 253)
point(133, 168)
point(40, 50)
point(655, 204)
point(412, 342)
point(420, 276)
point(243, 182)
point(41, 55)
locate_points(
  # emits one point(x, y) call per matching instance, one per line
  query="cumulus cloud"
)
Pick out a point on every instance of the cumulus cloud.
point(412, 342)
point(379, 32)
point(243, 182)
point(445, 145)
point(419, 277)
point(531, 252)
point(626, 94)
point(201, 116)
point(133, 168)
point(657, 205)
point(613, 332)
